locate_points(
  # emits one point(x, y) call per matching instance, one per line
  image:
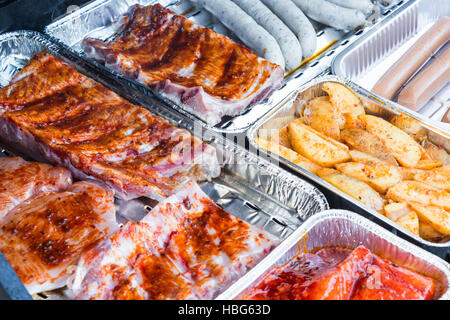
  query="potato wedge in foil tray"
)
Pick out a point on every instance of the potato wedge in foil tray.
point(103, 199)
point(366, 149)
point(224, 62)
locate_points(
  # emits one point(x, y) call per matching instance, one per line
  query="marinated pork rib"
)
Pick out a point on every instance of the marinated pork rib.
point(198, 69)
point(185, 248)
point(21, 180)
point(43, 237)
point(53, 111)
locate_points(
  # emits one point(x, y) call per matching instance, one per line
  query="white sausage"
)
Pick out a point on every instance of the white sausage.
point(427, 82)
point(296, 20)
point(413, 59)
point(365, 6)
point(387, 3)
point(245, 28)
point(289, 44)
point(332, 15)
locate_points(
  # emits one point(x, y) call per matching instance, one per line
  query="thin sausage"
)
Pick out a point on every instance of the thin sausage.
point(332, 15)
point(245, 28)
point(296, 20)
point(446, 117)
point(427, 82)
point(289, 44)
point(412, 60)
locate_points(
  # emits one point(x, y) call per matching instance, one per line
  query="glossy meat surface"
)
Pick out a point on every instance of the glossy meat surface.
point(386, 281)
point(75, 122)
point(341, 274)
point(203, 71)
point(21, 180)
point(43, 237)
point(185, 248)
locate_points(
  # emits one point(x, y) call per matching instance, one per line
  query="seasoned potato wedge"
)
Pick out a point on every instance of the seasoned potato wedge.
point(323, 117)
point(344, 101)
point(410, 125)
point(435, 216)
point(404, 148)
point(427, 232)
point(438, 178)
point(314, 146)
point(428, 164)
point(281, 138)
point(288, 154)
point(410, 222)
point(364, 141)
point(377, 174)
point(403, 215)
point(353, 187)
point(408, 191)
point(396, 210)
point(436, 153)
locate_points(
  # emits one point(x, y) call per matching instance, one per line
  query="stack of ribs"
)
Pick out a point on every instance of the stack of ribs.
point(46, 221)
point(205, 73)
point(56, 113)
point(185, 248)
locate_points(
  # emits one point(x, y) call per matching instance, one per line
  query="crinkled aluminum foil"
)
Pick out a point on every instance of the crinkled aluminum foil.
point(347, 229)
point(249, 187)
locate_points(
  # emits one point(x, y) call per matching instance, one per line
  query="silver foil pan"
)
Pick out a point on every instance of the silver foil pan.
point(347, 229)
point(249, 187)
point(368, 58)
point(291, 107)
point(98, 19)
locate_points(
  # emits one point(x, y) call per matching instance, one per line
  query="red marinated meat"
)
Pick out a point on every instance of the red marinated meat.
point(204, 72)
point(341, 274)
point(21, 180)
point(75, 122)
point(44, 236)
point(386, 281)
point(185, 248)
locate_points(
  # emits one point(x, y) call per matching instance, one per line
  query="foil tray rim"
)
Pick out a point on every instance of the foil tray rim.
point(295, 238)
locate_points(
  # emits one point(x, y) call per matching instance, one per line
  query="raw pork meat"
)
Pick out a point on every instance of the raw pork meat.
point(185, 248)
point(21, 180)
point(204, 72)
point(43, 237)
point(52, 111)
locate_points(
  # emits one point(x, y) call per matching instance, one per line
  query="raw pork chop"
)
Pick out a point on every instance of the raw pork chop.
point(21, 180)
point(185, 248)
point(53, 111)
point(206, 73)
point(43, 237)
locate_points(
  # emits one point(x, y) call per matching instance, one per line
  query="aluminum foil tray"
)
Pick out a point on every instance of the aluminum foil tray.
point(248, 187)
point(368, 58)
point(347, 229)
point(98, 19)
point(290, 108)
